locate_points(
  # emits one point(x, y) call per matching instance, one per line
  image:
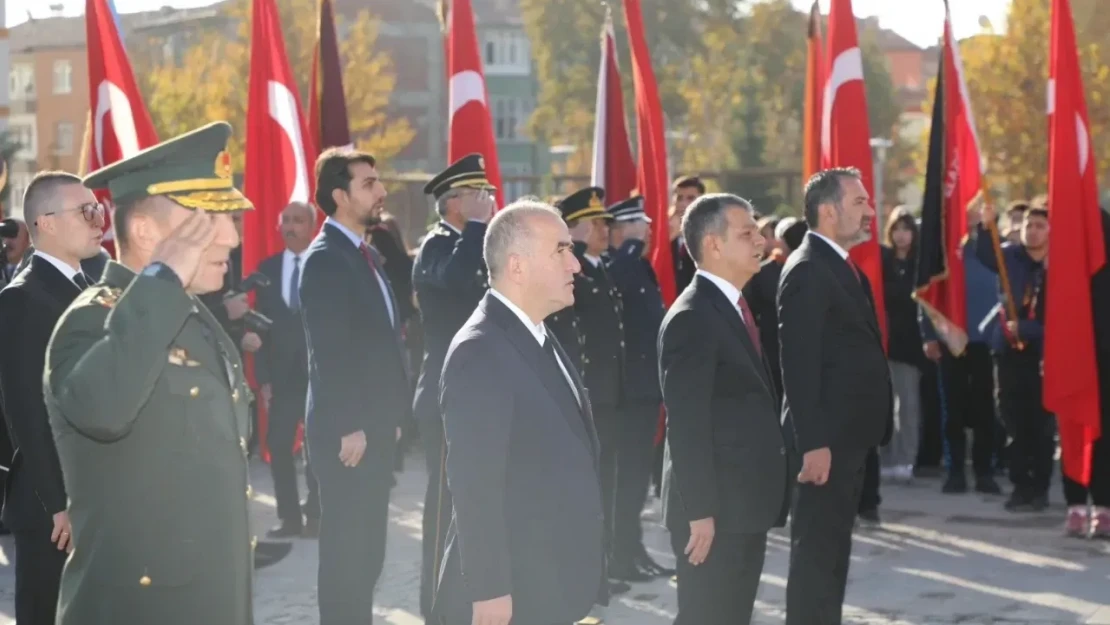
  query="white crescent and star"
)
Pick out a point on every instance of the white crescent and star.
point(111, 100)
point(1082, 136)
point(466, 86)
point(847, 67)
point(284, 111)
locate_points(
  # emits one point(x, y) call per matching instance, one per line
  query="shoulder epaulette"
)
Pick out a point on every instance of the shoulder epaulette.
point(106, 296)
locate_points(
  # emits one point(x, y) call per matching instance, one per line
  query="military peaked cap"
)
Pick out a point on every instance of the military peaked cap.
point(631, 209)
point(583, 204)
point(468, 172)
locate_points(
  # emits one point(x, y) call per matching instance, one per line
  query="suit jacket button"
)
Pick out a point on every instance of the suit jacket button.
point(254, 542)
point(144, 581)
point(642, 289)
point(194, 392)
point(243, 444)
point(235, 395)
point(622, 343)
point(782, 451)
point(250, 491)
point(595, 289)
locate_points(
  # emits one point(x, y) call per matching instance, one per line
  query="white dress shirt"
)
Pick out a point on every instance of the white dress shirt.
point(539, 332)
point(61, 266)
point(731, 292)
point(359, 242)
point(288, 259)
point(839, 250)
point(594, 260)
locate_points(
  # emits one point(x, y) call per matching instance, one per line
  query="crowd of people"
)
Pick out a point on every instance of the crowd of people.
point(528, 351)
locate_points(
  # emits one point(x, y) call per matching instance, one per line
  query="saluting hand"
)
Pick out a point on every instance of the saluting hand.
point(183, 250)
point(816, 465)
point(351, 448)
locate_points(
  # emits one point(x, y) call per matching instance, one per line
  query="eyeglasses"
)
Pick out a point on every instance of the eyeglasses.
point(89, 211)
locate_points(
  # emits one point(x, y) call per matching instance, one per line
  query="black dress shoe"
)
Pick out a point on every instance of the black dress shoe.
point(869, 518)
point(285, 530)
point(628, 572)
point(617, 588)
point(1019, 501)
point(268, 554)
point(651, 567)
point(985, 484)
point(954, 485)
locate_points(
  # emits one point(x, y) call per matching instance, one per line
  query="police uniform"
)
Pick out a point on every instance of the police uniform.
point(594, 324)
point(148, 404)
point(642, 314)
point(449, 278)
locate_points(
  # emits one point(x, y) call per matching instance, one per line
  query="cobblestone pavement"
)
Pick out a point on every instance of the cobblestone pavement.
point(935, 560)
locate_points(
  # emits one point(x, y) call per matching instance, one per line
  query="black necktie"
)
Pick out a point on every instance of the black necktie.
point(294, 285)
point(81, 281)
point(549, 347)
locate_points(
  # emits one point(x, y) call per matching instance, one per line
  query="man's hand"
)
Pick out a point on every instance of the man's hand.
point(932, 350)
point(61, 535)
point(351, 448)
point(987, 213)
point(250, 342)
point(701, 539)
point(237, 306)
point(816, 465)
point(183, 250)
point(477, 207)
point(638, 230)
point(497, 611)
point(267, 395)
point(1012, 328)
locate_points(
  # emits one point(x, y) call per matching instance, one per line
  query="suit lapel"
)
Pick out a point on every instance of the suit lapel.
point(53, 281)
point(732, 317)
point(525, 342)
point(858, 288)
point(585, 409)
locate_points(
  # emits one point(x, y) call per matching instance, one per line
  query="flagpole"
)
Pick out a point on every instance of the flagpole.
point(1000, 260)
point(86, 148)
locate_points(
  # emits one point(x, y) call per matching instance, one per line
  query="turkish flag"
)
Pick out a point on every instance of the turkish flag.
point(471, 123)
point(846, 133)
point(120, 125)
point(1071, 388)
point(280, 152)
point(613, 167)
point(815, 82)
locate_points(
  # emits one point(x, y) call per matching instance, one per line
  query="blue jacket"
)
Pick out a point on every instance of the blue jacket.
point(981, 284)
point(1020, 268)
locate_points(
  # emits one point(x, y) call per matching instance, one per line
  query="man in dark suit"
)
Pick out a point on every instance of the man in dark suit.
point(450, 279)
point(281, 370)
point(725, 484)
point(595, 322)
point(684, 191)
point(642, 313)
point(65, 223)
point(838, 393)
point(522, 462)
point(762, 291)
point(358, 387)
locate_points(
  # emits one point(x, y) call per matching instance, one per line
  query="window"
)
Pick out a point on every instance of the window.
point(63, 139)
point(507, 52)
point(63, 77)
point(21, 82)
point(509, 116)
point(23, 133)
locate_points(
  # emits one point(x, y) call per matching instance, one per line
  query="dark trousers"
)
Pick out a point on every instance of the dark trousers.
point(969, 404)
point(721, 590)
point(287, 410)
point(606, 420)
point(931, 443)
point(1032, 428)
point(437, 510)
point(635, 455)
point(869, 494)
point(354, 506)
point(821, 541)
point(38, 573)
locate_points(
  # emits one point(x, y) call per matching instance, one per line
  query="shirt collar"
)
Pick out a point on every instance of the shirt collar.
point(726, 287)
point(447, 225)
point(61, 266)
point(839, 250)
point(594, 260)
point(355, 238)
point(538, 331)
point(290, 255)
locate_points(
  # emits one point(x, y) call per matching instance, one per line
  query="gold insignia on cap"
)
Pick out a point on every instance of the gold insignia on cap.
point(595, 202)
point(223, 165)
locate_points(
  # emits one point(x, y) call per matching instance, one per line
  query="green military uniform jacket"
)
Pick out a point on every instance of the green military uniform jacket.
point(148, 405)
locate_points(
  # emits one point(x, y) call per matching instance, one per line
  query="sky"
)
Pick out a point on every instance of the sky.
point(920, 21)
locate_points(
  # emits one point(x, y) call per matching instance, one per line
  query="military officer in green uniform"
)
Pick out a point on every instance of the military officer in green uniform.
point(148, 403)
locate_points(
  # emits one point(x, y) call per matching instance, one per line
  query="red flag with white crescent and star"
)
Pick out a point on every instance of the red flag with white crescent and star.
point(119, 122)
point(1071, 385)
point(846, 134)
point(613, 167)
point(469, 112)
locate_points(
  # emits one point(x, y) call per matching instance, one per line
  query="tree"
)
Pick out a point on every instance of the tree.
point(210, 80)
point(1007, 78)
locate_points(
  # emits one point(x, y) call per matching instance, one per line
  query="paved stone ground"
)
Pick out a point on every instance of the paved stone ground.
point(936, 560)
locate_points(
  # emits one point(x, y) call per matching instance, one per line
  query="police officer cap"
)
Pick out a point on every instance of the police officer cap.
point(631, 209)
point(469, 172)
point(193, 169)
point(583, 204)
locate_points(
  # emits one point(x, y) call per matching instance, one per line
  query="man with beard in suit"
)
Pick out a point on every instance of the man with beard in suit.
point(65, 223)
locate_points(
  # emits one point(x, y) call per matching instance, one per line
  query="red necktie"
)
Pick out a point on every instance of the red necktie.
point(749, 322)
point(369, 259)
point(855, 269)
